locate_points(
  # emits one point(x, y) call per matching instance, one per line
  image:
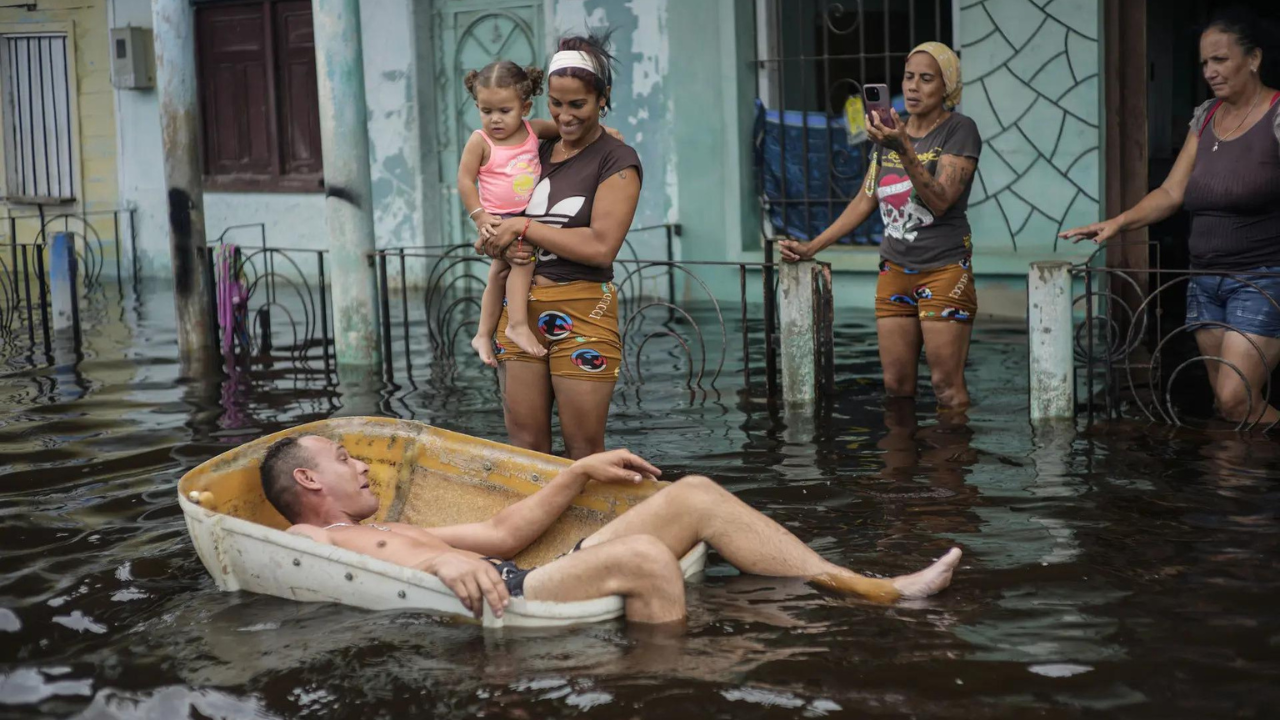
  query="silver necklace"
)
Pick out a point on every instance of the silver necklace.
point(1256, 98)
point(375, 526)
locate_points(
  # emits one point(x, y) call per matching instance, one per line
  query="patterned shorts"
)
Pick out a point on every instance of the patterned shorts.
point(945, 293)
point(577, 322)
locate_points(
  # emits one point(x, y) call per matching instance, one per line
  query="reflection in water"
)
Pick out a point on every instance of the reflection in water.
point(1123, 567)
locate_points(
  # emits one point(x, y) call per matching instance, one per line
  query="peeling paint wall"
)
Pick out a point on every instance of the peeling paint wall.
point(642, 105)
point(290, 219)
point(391, 92)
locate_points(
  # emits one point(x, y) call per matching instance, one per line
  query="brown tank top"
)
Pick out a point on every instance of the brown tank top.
point(1233, 196)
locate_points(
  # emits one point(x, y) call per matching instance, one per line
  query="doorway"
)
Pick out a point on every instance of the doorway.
point(469, 35)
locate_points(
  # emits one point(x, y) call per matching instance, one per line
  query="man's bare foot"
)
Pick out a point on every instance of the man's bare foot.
point(930, 580)
point(523, 337)
point(483, 345)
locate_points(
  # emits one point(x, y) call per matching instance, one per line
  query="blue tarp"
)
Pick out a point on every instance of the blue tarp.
point(835, 170)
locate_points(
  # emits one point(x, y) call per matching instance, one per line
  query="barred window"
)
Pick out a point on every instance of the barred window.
point(35, 106)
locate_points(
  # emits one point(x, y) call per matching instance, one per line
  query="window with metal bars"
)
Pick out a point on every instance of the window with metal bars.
point(813, 57)
point(35, 108)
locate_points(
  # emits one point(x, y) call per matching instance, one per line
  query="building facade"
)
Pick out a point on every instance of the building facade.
point(690, 75)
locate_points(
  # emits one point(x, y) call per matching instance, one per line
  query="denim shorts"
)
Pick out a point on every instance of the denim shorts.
point(1252, 307)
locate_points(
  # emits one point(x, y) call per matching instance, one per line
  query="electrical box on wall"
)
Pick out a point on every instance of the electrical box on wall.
point(131, 53)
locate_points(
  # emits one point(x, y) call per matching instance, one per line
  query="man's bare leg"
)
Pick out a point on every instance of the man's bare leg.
point(696, 509)
point(640, 568)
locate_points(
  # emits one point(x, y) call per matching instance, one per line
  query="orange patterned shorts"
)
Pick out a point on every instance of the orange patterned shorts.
point(945, 293)
point(577, 322)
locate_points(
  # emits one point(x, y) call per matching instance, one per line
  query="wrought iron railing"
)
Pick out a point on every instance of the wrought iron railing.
point(1135, 350)
point(425, 325)
point(89, 230)
point(24, 273)
point(269, 303)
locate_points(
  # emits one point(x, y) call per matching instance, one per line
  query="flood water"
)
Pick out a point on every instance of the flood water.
point(1124, 571)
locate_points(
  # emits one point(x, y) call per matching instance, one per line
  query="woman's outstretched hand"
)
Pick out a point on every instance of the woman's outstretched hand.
point(795, 250)
point(1098, 232)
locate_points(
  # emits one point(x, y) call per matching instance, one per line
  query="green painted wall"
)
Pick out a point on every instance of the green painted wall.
point(1032, 85)
point(712, 88)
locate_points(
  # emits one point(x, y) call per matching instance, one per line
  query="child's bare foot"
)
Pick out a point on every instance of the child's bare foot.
point(525, 339)
point(483, 345)
point(930, 580)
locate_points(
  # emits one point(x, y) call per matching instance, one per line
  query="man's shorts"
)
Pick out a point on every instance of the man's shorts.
point(1245, 302)
point(512, 575)
point(577, 322)
point(945, 293)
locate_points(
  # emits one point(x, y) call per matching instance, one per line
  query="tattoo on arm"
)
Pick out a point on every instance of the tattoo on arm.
point(953, 177)
point(622, 174)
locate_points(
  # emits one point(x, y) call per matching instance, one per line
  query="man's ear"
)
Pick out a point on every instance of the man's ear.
point(306, 478)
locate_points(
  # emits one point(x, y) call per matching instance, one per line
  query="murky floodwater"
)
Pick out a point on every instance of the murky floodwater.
point(1128, 569)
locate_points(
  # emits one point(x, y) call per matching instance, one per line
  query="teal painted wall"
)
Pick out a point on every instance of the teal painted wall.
point(1033, 87)
point(683, 97)
point(642, 102)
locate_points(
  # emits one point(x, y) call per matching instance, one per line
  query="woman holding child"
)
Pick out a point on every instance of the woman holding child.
point(575, 221)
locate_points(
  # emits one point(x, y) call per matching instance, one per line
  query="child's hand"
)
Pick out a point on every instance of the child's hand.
point(483, 219)
point(486, 232)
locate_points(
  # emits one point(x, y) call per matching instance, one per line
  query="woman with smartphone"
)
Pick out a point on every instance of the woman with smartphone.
point(919, 177)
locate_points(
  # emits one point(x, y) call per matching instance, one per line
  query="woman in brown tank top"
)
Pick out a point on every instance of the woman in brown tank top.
point(576, 222)
point(1228, 177)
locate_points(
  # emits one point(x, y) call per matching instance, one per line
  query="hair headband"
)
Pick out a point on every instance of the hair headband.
point(572, 59)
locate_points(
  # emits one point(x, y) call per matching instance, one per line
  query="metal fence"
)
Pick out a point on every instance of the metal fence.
point(427, 329)
point(1136, 352)
point(24, 273)
point(269, 304)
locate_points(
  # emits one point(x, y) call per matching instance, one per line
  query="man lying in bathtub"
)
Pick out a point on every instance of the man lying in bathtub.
point(316, 484)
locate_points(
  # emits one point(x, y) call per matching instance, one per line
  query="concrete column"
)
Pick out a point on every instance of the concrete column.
point(799, 332)
point(174, 23)
point(344, 139)
point(1051, 341)
point(64, 283)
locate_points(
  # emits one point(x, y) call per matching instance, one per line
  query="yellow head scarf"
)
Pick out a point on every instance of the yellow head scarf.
point(950, 64)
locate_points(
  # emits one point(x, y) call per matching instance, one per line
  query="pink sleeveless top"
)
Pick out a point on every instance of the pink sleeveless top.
point(507, 180)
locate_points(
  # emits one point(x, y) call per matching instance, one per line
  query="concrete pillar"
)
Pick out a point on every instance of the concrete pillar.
point(344, 139)
point(799, 332)
point(64, 284)
point(174, 23)
point(1051, 341)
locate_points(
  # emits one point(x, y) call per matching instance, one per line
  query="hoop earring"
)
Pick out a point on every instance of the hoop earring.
point(603, 112)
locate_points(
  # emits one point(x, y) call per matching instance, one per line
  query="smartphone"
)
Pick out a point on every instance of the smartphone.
point(875, 98)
